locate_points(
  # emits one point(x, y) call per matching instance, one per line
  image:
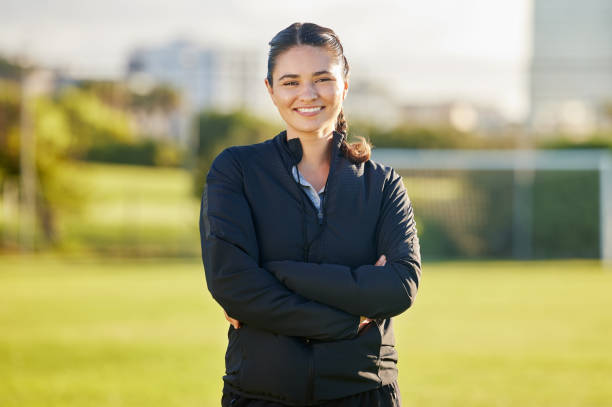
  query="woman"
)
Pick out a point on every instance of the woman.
point(308, 245)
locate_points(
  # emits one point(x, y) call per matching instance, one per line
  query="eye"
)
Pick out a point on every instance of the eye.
point(290, 83)
point(324, 79)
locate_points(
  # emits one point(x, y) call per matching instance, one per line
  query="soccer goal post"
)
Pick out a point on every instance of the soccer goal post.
point(518, 169)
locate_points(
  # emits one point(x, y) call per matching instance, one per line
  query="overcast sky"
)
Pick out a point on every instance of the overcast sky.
point(424, 51)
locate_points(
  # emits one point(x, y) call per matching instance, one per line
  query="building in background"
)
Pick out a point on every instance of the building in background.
point(571, 67)
point(370, 101)
point(460, 115)
point(225, 79)
point(222, 79)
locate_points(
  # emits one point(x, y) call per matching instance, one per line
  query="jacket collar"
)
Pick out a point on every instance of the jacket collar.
point(293, 147)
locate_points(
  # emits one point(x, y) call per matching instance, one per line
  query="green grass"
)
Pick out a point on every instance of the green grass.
point(84, 332)
point(124, 210)
point(509, 334)
point(135, 210)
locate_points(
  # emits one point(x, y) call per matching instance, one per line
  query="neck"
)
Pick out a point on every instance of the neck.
point(316, 147)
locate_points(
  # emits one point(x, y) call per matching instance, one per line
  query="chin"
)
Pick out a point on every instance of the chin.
point(311, 128)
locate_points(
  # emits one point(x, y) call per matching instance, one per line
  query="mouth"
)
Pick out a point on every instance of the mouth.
point(309, 111)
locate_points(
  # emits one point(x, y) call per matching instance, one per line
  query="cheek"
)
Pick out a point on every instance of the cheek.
point(331, 93)
point(284, 97)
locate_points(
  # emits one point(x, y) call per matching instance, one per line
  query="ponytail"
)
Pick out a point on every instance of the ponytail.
point(341, 124)
point(358, 152)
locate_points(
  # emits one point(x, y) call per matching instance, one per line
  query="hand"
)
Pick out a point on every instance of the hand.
point(232, 321)
point(362, 323)
point(364, 320)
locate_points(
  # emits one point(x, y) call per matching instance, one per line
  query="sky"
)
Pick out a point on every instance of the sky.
point(422, 51)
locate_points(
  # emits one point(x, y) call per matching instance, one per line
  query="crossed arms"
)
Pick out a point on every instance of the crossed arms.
point(299, 298)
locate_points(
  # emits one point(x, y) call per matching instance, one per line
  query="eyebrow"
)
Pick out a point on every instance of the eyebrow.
point(292, 75)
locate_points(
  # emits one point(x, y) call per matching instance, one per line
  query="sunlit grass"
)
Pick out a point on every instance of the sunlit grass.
point(80, 333)
point(508, 334)
point(123, 210)
point(85, 332)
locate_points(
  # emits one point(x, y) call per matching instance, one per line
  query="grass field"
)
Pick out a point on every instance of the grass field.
point(86, 332)
point(124, 210)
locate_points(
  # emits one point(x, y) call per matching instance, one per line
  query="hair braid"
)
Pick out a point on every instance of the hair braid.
point(341, 124)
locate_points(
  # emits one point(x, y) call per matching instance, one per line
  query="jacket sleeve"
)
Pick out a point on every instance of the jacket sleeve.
point(230, 255)
point(368, 290)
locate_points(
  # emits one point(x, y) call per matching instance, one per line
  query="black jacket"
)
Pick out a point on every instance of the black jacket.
point(298, 285)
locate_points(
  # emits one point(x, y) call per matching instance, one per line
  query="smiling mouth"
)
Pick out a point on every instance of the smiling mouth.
point(309, 110)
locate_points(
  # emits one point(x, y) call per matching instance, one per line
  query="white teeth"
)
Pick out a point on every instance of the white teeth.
point(309, 109)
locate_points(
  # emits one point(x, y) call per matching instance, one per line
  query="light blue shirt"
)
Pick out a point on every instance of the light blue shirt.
point(315, 197)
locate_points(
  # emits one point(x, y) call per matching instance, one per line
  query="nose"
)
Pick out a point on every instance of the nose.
point(309, 92)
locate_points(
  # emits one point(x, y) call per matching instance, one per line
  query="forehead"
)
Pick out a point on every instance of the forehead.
point(306, 59)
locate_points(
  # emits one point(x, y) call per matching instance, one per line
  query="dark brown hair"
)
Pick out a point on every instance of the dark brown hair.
point(318, 36)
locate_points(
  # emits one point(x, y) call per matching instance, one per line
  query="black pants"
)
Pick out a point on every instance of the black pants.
point(385, 396)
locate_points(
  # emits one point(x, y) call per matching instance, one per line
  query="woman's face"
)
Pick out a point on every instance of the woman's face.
point(308, 89)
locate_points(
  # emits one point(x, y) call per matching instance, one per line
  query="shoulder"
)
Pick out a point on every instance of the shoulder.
point(244, 153)
point(380, 171)
point(238, 157)
point(390, 181)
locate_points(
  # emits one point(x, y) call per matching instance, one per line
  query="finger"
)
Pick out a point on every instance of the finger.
point(234, 322)
point(363, 325)
point(365, 322)
point(381, 260)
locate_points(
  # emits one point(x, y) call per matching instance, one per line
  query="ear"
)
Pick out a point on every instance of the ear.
point(346, 86)
point(270, 91)
point(269, 87)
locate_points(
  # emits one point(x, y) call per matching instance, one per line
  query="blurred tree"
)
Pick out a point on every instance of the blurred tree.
point(65, 127)
point(112, 93)
point(118, 94)
point(158, 102)
point(161, 97)
point(52, 139)
point(407, 135)
point(91, 122)
point(10, 101)
point(216, 131)
point(10, 69)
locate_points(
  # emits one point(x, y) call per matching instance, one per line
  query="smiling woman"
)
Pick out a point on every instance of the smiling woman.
point(308, 245)
point(312, 77)
point(310, 88)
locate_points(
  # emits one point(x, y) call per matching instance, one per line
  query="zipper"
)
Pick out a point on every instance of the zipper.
point(312, 204)
point(323, 220)
point(307, 244)
point(303, 194)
